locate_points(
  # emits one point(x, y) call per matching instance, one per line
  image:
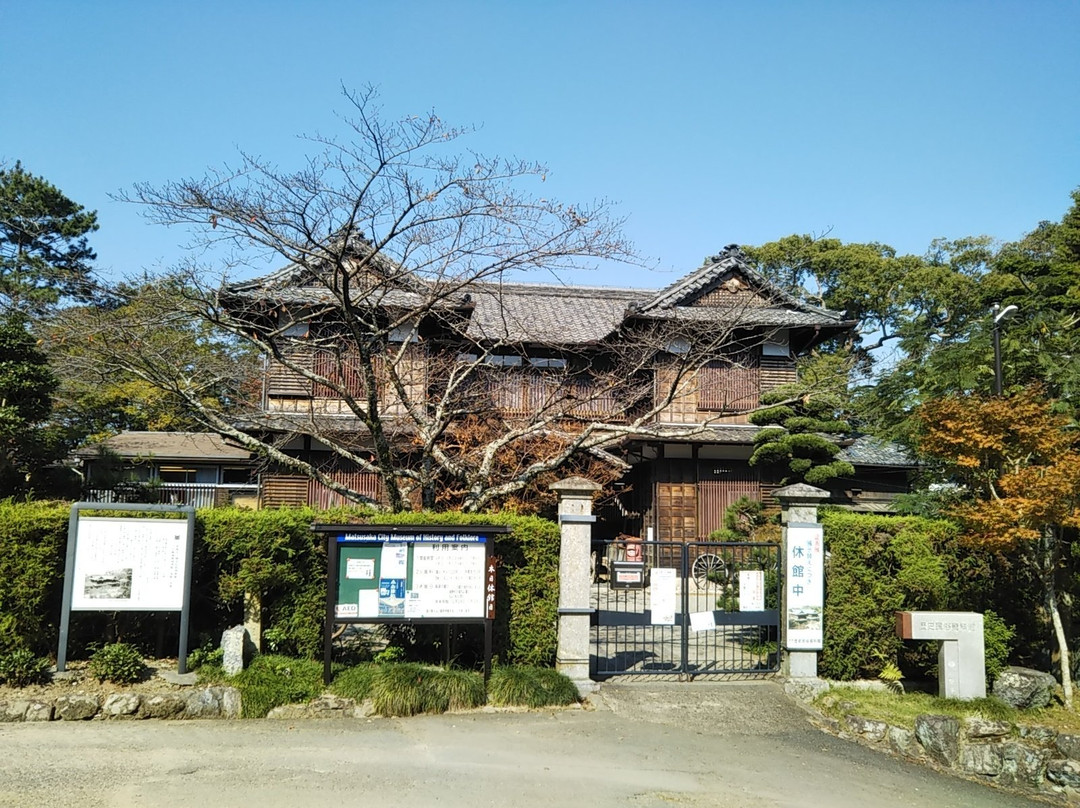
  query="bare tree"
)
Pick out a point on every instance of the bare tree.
point(393, 318)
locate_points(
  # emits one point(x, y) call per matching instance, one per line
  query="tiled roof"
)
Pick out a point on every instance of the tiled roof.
point(731, 259)
point(870, 451)
point(555, 315)
point(170, 446)
point(747, 316)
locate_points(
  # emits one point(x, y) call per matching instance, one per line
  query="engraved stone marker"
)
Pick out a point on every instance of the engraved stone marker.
point(962, 657)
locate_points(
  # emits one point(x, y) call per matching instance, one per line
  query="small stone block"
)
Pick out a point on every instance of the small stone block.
point(121, 704)
point(79, 707)
point(235, 642)
point(39, 711)
point(981, 758)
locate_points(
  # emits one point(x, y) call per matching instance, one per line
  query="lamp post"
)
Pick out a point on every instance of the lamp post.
point(999, 315)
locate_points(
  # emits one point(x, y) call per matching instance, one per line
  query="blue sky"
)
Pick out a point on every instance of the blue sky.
point(709, 123)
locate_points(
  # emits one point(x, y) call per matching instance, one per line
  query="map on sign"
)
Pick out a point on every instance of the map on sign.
point(129, 565)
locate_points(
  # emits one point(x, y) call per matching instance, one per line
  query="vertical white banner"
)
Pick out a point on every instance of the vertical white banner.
point(751, 591)
point(662, 596)
point(804, 587)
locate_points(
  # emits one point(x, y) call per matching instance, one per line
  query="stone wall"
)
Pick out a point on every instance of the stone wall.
point(207, 702)
point(997, 752)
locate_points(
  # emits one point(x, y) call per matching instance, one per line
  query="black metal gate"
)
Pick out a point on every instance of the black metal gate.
point(691, 609)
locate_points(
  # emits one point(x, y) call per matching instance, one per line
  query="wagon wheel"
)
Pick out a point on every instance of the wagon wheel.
point(707, 568)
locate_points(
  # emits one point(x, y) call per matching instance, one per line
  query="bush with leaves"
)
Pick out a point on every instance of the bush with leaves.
point(21, 667)
point(118, 662)
point(273, 680)
point(528, 686)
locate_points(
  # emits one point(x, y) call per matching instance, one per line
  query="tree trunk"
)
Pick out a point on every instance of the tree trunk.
point(253, 617)
point(1049, 559)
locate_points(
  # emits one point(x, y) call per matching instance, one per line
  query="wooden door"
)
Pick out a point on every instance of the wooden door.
point(676, 511)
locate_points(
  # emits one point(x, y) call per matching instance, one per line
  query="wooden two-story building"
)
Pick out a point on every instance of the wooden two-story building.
point(662, 381)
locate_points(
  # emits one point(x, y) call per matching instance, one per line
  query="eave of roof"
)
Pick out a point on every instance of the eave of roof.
point(192, 446)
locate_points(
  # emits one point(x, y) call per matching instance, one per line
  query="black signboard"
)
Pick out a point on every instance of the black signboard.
point(409, 574)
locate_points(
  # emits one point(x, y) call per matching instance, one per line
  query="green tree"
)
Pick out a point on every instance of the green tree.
point(144, 362)
point(26, 386)
point(803, 422)
point(44, 255)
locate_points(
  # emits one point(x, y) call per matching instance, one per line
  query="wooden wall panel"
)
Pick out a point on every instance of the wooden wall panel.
point(715, 496)
point(363, 482)
point(777, 371)
point(283, 489)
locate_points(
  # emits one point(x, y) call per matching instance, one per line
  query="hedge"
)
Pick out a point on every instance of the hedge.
point(32, 542)
point(878, 565)
point(275, 553)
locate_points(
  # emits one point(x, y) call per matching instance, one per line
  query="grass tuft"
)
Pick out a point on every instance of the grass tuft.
point(523, 686)
point(355, 682)
point(275, 680)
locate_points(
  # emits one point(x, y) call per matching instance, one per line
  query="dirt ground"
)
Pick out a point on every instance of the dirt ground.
point(78, 679)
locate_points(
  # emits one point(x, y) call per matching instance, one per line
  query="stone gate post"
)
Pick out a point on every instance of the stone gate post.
point(799, 507)
point(575, 524)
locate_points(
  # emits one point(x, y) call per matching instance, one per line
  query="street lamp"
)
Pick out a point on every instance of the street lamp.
point(1003, 314)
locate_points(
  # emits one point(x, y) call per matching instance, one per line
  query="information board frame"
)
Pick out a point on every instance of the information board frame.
point(123, 583)
point(369, 551)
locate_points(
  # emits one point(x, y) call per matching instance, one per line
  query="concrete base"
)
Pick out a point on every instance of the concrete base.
point(801, 664)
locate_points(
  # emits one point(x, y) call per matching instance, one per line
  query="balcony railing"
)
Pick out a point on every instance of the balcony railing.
point(199, 495)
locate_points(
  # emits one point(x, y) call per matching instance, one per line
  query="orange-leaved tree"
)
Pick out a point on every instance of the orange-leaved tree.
point(1020, 461)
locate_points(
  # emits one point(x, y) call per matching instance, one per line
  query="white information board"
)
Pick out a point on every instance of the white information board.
point(447, 581)
point(805, 586)
point(129, 564)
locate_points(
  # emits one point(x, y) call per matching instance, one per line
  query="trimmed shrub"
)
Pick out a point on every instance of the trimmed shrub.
point(117, 662)
point(33, 537)
point(464, 690)
point(878, 565)
point(355, 682)
point(408, 688)
point(274, 554)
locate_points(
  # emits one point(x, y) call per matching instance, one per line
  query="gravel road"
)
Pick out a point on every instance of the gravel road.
point(640, 745)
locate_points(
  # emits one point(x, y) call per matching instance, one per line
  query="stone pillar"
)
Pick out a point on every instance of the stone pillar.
point(799, 505)
point(575, 524)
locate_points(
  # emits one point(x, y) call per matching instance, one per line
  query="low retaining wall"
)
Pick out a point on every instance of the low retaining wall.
point(995, 752)
point(208, 702)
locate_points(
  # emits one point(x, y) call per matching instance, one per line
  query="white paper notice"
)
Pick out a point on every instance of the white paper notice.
point(368, 603)
point(702, 621)
point(448, 580)
point(751, 591)
point(662, 596)
point(362, 568)
point(346, 610)
point(394, 561)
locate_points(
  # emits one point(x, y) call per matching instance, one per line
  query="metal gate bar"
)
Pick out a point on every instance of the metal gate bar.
point(705, 631)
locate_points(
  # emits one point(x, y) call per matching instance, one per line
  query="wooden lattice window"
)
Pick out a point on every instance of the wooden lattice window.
point(731, 384)
point(345, 371)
